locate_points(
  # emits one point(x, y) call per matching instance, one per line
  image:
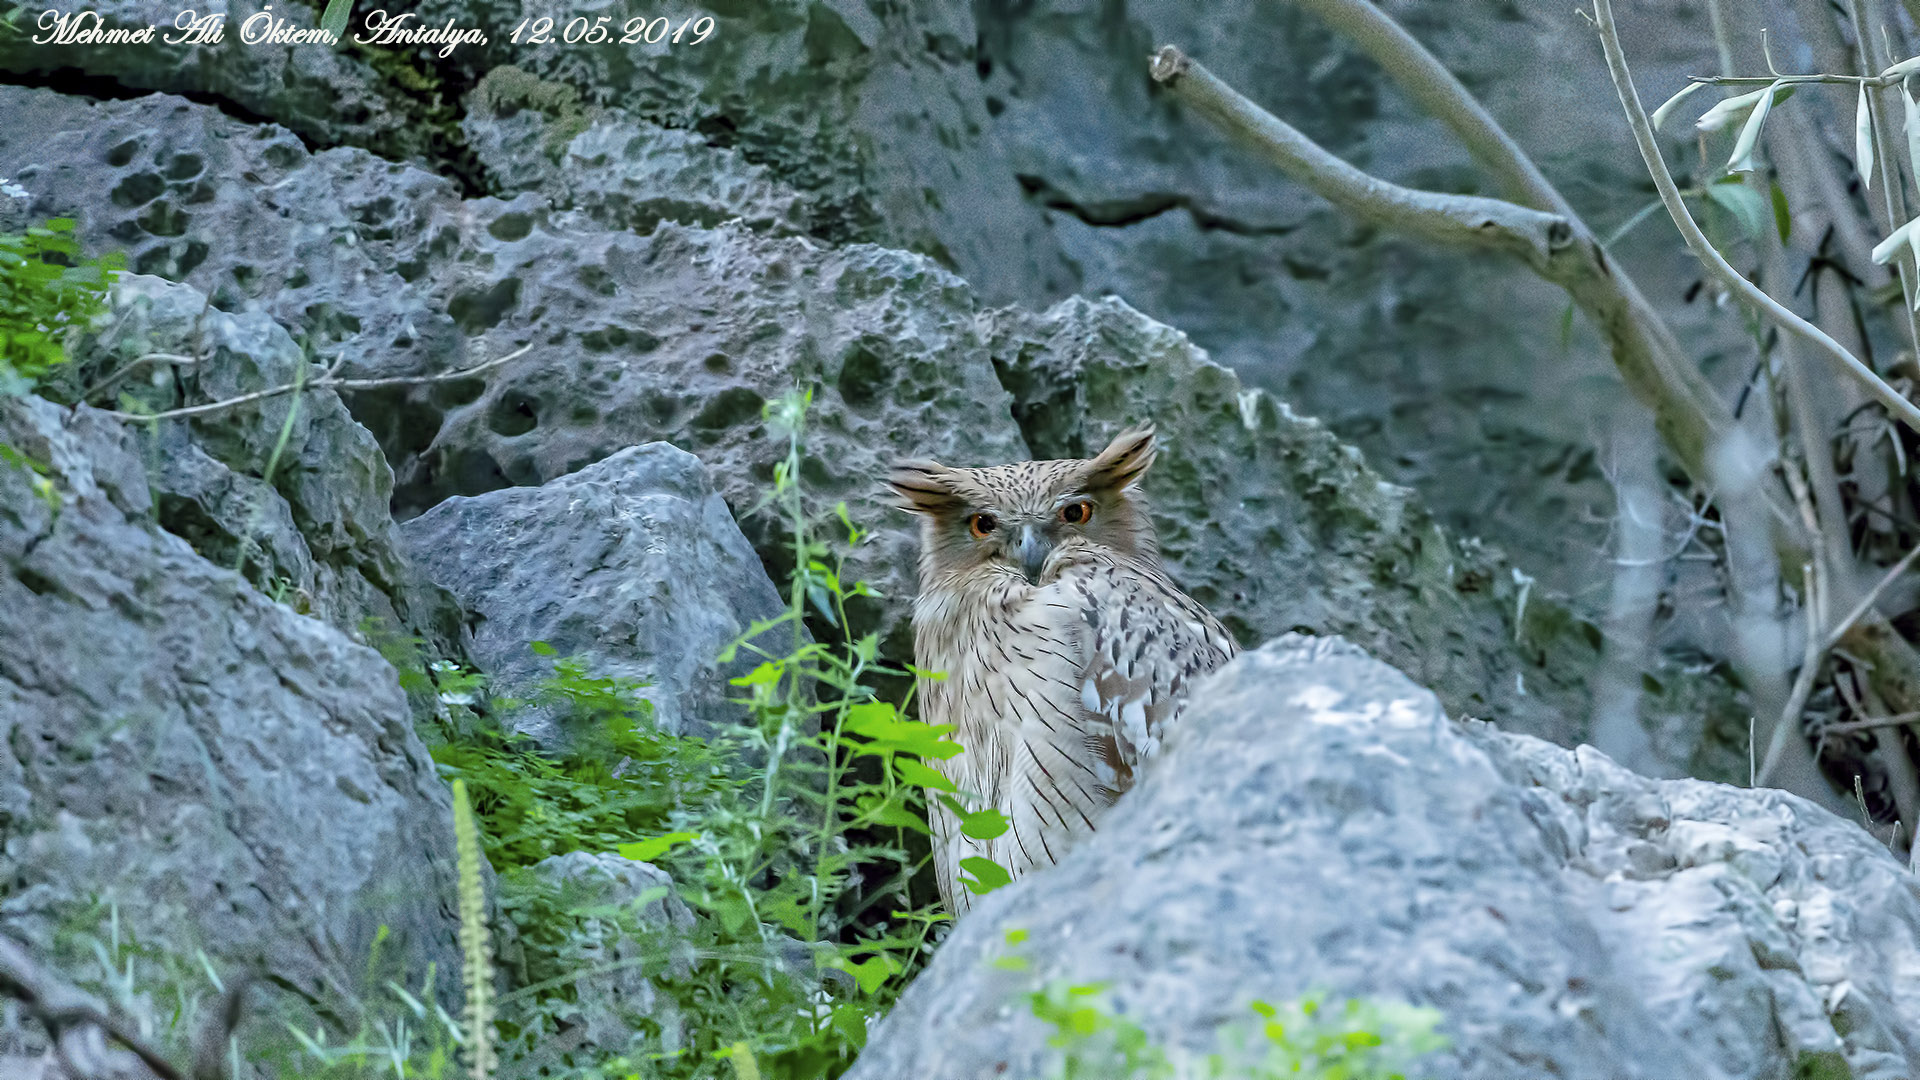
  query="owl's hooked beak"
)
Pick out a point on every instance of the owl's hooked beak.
point(1034, 549)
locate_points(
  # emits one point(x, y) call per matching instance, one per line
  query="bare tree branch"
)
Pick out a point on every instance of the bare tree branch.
point(59, 1007)
point(327, 381)
point(1688, 415)
point(1461, 220)
point(1429, 84)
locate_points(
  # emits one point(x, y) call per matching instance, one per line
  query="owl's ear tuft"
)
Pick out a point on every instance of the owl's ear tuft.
point(1124, 461)
point(923, 487)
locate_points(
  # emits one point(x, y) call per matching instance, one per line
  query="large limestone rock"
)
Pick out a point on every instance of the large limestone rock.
point(633, 564)
point(191, 766)
point(1317, 823)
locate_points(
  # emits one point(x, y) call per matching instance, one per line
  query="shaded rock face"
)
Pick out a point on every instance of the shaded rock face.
point(686, 334)
point(633, 563)
point(306, 521)
point(223, 773)
point(350, 95)
point(1316, 822)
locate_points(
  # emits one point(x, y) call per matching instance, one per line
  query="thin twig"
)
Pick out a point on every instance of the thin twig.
point(327, 381)
point(58, 1006)
point(1841, 728)
point(1788, 726)
point(1716, 265)
point(150, 358)
point(1793, 80)
point(1867, 601)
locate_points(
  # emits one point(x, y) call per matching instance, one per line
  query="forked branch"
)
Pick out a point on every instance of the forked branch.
point(1691, 419)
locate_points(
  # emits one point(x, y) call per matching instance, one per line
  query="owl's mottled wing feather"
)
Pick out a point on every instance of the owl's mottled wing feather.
point(1146, 642)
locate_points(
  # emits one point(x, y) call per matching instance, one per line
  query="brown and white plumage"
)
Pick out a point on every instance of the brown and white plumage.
point(1066, 649)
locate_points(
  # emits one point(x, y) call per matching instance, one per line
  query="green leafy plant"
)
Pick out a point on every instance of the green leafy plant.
point(1306, 1039)
point(47, 291)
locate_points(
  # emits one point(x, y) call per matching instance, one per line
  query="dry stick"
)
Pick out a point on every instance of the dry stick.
point(1711, 258)
point(1812, 602)
point(1463, 220)
point(1898, 720)
point(1866, 602)
point(326, 381)
point(1689, 417)
point(58, 1006)
point(1688, 414)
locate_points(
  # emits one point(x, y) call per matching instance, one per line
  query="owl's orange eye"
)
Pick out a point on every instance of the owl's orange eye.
point(1078, 513)
point(982, 524)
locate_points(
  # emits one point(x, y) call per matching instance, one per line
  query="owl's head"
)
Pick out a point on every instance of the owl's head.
point(1016, 517)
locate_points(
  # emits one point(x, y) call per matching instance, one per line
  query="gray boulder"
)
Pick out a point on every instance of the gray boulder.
point(192, 766)
point(306, 522)
point(1316, 823)
point(633, 563)
point(533, 135)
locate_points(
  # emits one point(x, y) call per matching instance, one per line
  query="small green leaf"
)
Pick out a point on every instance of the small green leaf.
point(987, 875)
point(871, 973)
point(334, 19)
point(541, 648)
point(882, 810)
point(912, 772)
point(1782, 217)
point(649, 850)
point(767, 674)
point(1744, 203)
point(984, 824)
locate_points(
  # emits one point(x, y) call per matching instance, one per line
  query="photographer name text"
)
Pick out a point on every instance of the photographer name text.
point(86, 27)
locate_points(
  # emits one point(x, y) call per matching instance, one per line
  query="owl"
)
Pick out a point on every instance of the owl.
point(1066, 650)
